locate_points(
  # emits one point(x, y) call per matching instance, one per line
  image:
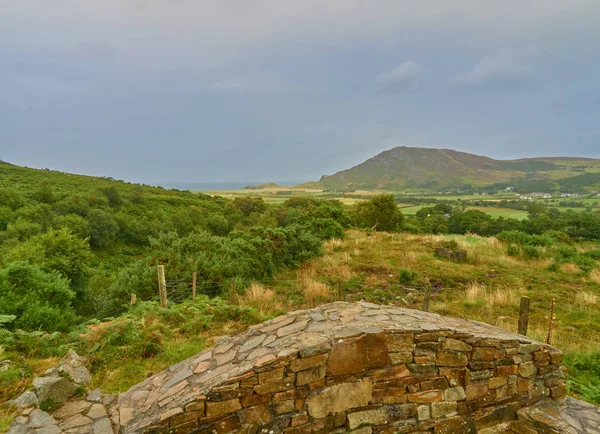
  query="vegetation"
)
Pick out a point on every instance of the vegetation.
point(73, 249)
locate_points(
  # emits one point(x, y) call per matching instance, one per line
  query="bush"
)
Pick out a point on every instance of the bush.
point(531, 252)
point(39, 300)
point(513, 250)
point(584, 375)
point(406, 276)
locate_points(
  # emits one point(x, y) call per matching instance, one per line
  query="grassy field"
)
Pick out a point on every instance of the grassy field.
point(395, 269)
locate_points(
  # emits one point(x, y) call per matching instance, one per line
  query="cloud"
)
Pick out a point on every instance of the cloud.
point(406, 73)
point(500, 70)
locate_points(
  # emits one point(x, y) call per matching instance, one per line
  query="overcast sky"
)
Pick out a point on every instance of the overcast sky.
point(258, 90)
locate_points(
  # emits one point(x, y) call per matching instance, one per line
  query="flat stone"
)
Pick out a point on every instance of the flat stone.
point(269, 339)
point(223, 348)
point(75, 422)
point(292, 328)
point(48, 429)
point(103, 426)
point(278, 324)
point(339, 398)
point(97, 411)
point(202, 367)
point(72, 408)
point(39, 418)
point(317, 316)
point(181, 375)
point(94, 396)
point(252, 343)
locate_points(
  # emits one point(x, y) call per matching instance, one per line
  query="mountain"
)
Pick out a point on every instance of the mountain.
point(405, 168)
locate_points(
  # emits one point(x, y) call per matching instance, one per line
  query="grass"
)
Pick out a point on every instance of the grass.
point(396, 269)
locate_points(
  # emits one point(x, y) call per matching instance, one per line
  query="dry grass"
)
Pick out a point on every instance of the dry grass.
point(595, 275)
point(492, 298)
point(570, 268)
point(475, 292)
point(332, 244)
point(315, 292)
point(587, 299)
point(261, 298)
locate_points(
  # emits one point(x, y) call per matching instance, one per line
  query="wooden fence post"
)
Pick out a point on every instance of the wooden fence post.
point(133, 298)
point(162, 286)
point(551, 324)
point(339, 288)
point(427, 299)
point(524, 315)
point(194, 286)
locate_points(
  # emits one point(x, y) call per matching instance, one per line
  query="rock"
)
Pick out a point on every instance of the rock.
point(53, 388)
point(94, 396)
point(97, 411)
point(339, 398)
point(103, 426)
point(25, 400)
point(74, 366)
point(49, 429)
point(17, 429)
point(75, 422)
point(39, 418)
point(71, 408)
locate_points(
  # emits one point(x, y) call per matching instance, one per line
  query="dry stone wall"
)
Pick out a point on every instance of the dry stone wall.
point(350, 368)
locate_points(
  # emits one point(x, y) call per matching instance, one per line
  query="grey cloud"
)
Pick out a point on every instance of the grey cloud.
point(503, 68)
point(407, 72)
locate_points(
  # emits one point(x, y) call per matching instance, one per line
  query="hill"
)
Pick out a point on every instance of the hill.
point(404, 168)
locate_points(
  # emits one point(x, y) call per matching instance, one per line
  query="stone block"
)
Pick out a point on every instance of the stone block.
point(339, 398)
point(451, 358)
point(214, 409)
point(308, 362)
point(442, 409)
point(425, 397)
point(398, 343)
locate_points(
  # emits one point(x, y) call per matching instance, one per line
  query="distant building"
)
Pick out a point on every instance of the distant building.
point(509, 189)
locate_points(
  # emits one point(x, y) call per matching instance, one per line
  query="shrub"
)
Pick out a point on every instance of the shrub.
point(39, 300)
point(513, 250)
point(531, 252)
point(406, 276)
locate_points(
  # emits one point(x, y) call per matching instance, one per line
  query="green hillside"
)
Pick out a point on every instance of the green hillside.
point(405, 168)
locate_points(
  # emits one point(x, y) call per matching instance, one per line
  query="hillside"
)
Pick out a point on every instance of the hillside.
point(422, 168)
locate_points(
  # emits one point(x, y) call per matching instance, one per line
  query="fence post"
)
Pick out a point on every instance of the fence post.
point(524, 315)
point(427, 298)
point(194, 286)
point(133, 298)
point(551, 324)
point(162, 286)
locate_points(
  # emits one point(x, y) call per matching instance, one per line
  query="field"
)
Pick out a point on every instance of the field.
point(396, 269)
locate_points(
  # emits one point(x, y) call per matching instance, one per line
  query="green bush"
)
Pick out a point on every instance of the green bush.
point(531, 252)
point(513, 250)
point(584, 375)
point(406, 276)
point(39, 300)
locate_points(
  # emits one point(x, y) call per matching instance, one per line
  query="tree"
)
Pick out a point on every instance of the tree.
point(57, 251)
point(39, 300)
point(381, 213)
point(103, 228)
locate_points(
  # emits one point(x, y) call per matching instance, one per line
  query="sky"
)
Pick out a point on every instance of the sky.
point(160, 91)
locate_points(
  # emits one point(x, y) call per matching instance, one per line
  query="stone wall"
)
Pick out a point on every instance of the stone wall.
point(350, 368)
